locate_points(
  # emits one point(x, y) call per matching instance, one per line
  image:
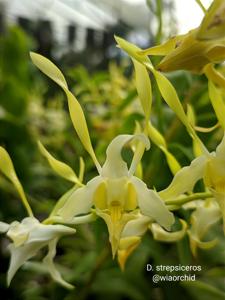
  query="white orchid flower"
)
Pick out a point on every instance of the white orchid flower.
point(29, 236)
point(116, 193)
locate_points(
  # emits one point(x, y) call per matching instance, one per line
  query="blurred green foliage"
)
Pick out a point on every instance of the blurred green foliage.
point(31, 109)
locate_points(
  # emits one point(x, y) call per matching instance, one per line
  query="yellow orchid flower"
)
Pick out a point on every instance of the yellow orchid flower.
point(207, 161)
point(209, 167)
point(116, 193)
point(196, 49)
point(29, 236)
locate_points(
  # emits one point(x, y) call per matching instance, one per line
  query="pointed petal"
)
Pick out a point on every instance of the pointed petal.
point(151, 204)
point(133, 51)
point(217, 103)
point(169, 94)
point(59, 167)
point(114, 165)
point(75, 109)
point(81, 201)
point(144, 144)
point(127, 246)
point(159, 140)
point(163, 49)
point(144, 88)
point(115, 228)
point(131, 238)
point(7, 168)
point(48, 261)
point(220, 150)
point(62, 200)
point(19, 255)
point(49, 69)
point(185, 179)
point(160, 234)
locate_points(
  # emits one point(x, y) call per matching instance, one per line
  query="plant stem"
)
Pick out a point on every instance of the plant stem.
point(201, 6)
point(183, 200)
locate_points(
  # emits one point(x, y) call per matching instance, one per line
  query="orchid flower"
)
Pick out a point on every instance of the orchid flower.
point(209, 166)
point(29, 236)
point(206, 215)
point(198, 48)
point(115, 193)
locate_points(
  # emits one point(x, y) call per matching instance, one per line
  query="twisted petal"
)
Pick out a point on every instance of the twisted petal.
point(151, 204)
point(75, 109)
point(160, 234)
point(201, 220)
point(7, 168)
point(133, 51)
point(160, 141)
point(195, 243)
point(80, 201)
point(48, 261)
point(114, 165)
point(59, 167)
point(185, 179)
point(144, 88)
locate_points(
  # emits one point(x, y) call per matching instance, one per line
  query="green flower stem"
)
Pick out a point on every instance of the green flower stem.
point(183, 200)
point(201, 6)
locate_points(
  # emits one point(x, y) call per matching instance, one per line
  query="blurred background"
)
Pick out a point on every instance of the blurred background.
point(78, 35)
